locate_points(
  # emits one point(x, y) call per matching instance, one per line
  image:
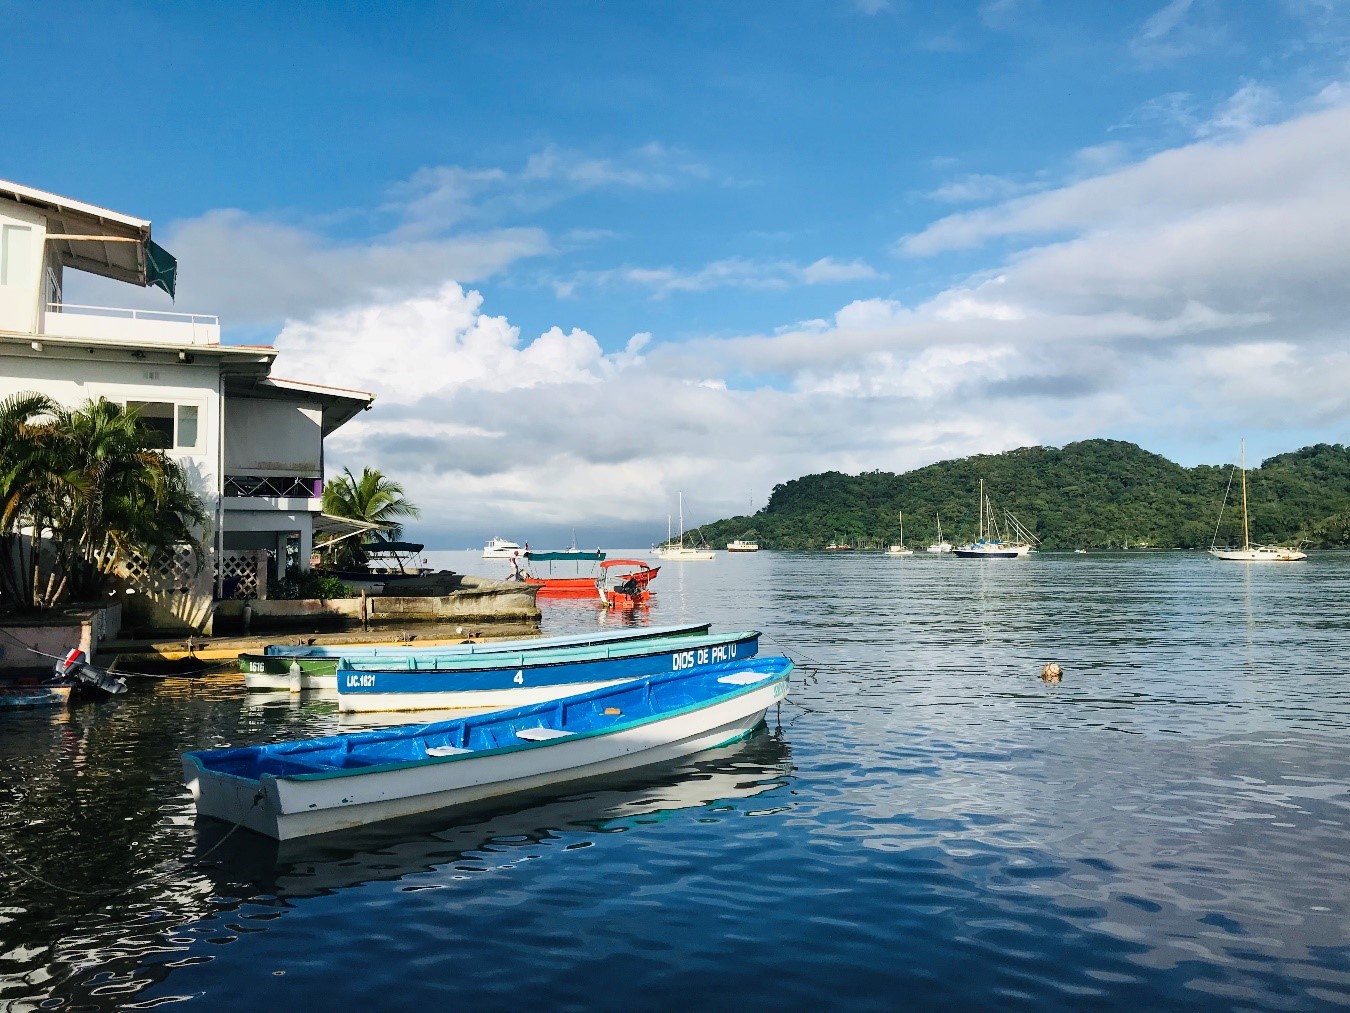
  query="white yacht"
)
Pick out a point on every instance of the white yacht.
point(900, 550)
point(940, 546)
point(742, 545)
point(500, 548)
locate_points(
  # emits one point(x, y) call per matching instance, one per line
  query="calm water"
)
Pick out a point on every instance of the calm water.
point(924, 824)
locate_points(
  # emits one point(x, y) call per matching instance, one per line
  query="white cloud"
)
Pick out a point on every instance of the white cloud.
point(977, 188)
point(1289, 162)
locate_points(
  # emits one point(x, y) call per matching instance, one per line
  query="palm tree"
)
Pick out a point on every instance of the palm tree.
point(89, 494)
point(373, 498)
point(26, 464)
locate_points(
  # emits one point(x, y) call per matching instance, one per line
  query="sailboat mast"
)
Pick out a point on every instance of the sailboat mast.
point(682, 520)
point(1246, 533)
point(981, 509)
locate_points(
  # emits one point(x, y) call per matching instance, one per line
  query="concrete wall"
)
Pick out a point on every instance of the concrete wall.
point(86, 629)
point(479, 601)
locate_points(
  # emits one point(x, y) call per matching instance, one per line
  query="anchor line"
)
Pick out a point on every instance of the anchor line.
point(117, 673)
point(149, 877)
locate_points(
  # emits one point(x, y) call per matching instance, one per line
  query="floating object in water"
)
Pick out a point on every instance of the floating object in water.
point(295, 789)
point(1052, 673)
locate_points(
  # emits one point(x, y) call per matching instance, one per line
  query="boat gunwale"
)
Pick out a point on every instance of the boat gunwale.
point(504, 661)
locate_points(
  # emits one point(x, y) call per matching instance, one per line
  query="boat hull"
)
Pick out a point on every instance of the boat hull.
point(1260, 554)
point(318, 665)
point(532, 678)
point(686, 555)
point(286, 806)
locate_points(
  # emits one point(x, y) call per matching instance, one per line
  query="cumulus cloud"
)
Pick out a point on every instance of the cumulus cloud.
point(1177, 301)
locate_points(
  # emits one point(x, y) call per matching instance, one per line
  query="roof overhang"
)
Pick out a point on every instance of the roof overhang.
point(239, 355)
point(94, 239)
point(339, 404)
point(336, 529)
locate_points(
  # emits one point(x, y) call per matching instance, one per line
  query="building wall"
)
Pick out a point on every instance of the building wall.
point(23, 234)
point(273, 438)
point(72, 377)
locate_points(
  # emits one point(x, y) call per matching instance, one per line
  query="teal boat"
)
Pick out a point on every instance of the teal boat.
point(513, 679)
point(272, 669)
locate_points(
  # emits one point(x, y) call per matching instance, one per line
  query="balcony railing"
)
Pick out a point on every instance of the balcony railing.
point(71, 320)
point(273, 488)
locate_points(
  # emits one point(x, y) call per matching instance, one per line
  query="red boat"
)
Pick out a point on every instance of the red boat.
point(623, 582)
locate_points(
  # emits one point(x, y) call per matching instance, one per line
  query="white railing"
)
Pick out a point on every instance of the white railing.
point(125, 313)
point(116, 323)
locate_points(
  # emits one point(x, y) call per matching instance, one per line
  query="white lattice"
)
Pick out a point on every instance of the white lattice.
point(168, 571)
point(248, 568)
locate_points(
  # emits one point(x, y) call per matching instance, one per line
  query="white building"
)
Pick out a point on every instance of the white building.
point(252, 443)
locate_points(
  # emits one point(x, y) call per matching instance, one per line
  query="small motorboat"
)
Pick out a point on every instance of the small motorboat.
point(623, 583)
point(318, 664)
point(287, 790)
point(513, 679)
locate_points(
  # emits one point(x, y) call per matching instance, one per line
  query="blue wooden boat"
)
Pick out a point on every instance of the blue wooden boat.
point(296, 789)
point(512, 679)
point(318, 663)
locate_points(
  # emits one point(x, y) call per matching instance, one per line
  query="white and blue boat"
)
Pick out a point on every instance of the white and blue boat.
point(513, 679)
point(297, 789)
point(318, 663)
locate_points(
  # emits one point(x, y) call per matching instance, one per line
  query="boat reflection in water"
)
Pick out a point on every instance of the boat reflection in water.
point(428, 844)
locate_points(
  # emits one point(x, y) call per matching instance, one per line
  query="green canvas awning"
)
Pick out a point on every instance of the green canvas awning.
point(554, 557)
point(161, 268)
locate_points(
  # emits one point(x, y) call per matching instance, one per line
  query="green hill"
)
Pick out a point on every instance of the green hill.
point(1093, 494)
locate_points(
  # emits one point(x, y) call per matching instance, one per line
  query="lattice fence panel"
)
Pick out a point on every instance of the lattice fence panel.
point(245, 566)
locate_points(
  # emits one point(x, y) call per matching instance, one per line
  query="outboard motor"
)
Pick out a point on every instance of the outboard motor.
point(76, 668)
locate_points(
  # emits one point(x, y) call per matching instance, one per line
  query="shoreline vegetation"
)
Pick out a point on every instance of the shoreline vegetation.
point(1094, 494)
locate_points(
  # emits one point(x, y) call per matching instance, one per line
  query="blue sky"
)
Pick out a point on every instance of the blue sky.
point(589, 255)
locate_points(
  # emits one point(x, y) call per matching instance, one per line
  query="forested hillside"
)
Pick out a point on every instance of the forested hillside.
point(1093, 494)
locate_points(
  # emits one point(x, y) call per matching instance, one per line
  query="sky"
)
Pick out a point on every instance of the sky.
point(592, 255)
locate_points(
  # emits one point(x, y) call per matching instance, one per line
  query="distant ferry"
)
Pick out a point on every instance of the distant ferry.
point(500, 548)
point(740, 545)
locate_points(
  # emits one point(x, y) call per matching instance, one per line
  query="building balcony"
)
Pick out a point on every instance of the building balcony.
point(287, 494)
point(110, 323)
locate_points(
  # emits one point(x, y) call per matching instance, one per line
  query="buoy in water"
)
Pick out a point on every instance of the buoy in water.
point(1051, 673)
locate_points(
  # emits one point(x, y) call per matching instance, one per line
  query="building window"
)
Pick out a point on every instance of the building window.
point(187, 427)
point(15, 251)
point(157, 417)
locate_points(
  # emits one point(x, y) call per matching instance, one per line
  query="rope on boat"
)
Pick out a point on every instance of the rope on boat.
point(119, 673)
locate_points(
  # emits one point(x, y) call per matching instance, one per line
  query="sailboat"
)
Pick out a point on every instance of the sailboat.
point(1250, 553)
point(681, 551)
point(900, 550)
point(990, 544)
point(939, 546)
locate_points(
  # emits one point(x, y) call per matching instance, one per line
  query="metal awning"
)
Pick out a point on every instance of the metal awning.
point(339, 529)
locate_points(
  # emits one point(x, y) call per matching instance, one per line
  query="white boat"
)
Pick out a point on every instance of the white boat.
point(939, 546)
point(742, 545)
point(900, 550)
point(296, 789)
point(500, 548)
point(682, 552)
point(991, 544)
point(1250, 553)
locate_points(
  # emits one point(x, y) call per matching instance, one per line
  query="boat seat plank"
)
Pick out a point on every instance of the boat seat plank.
point(541, 734)
point(446, 750)
point(744, 678)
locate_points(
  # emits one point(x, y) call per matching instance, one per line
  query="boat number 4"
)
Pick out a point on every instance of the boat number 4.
point(703, 656)
point(519, 680)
